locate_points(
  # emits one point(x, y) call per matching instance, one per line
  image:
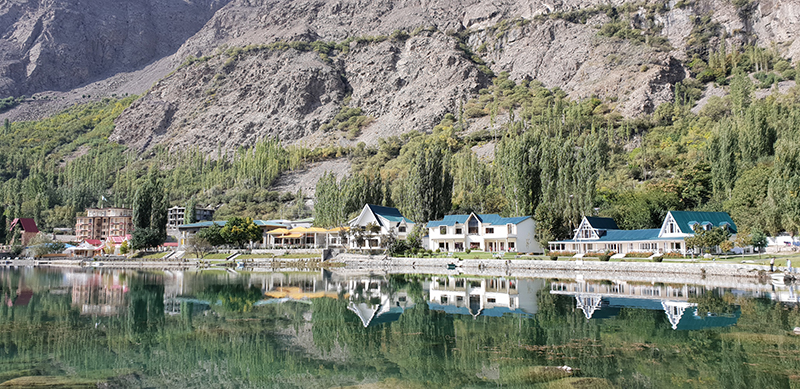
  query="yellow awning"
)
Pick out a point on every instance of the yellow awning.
point(278, 231)
point(297, 235)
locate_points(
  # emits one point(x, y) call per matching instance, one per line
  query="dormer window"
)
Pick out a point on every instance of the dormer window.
point(510, 229)
point(401, 229)
point(443, 230)
point(472, 226)
point(489, 230)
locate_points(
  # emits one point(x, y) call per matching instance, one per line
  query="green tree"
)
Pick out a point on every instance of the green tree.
point(212, 235)
point(707, 239)
point(3, 227)
point(124, 249)
point(149, 214)
point(189, 215)
point(429, 185)
point(239, 231)
point(741, 89)
point(758, 239)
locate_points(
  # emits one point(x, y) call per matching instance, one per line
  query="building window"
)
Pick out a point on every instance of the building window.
point(510, 245)
point(473, 226)
point(401, 229)
point(441, 245)
point(510, 229)
point(491, 300)
point(489, 230)
point(671, 228)
point(458, 231)
point(443, 230)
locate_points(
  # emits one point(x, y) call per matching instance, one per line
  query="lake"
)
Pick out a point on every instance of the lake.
point(143, 329)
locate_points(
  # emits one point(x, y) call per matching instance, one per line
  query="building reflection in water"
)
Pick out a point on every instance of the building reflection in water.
point(377, 300)
point(604, 299)
point(100, 294)
point(484, 296)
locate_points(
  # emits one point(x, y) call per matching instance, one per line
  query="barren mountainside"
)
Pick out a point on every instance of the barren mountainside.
point(326, 72)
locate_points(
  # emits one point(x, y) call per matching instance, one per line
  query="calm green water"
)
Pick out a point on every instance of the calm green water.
point(321, 330)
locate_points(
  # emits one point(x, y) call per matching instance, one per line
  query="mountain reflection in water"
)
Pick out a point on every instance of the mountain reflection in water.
point(323, 329)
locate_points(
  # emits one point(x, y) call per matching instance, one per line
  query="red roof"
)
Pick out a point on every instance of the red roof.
point(28, 224)
point(170, 244)
point(94, 242)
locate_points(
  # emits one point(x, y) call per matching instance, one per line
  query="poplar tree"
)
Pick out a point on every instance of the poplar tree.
point(429, 185)
point(149, 214)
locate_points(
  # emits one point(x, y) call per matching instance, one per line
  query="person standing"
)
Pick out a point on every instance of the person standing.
point(772, 264)
point(788, 265)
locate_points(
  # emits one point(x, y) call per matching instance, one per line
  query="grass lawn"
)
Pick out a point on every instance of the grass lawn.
point(207, 257)
point(154, 255)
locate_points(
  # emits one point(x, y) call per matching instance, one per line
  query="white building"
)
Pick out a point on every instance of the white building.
point(483, 232)
point(601, 234)
point(484, 297)
point(370, 229)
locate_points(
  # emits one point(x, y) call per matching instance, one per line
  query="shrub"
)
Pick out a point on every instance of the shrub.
point(638, 254)
point(605, 257)
point(467, 251)
point(553, 257)
point(658, 259)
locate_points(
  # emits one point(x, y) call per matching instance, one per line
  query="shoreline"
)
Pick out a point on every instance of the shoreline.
point(359, 264)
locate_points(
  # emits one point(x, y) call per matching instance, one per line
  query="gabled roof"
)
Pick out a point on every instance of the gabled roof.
point(490, 218)
point(388, 213)
point(28, 224)
point(602, 223)
point(94, 242)
point(684, 219)
point(621, 235)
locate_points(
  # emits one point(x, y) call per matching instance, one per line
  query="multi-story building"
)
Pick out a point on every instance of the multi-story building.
point(177, 215)
point(102, 223)
point(488, 232)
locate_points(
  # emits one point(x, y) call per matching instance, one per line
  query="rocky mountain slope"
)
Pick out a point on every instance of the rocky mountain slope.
point(389, 67)
point(62, 44)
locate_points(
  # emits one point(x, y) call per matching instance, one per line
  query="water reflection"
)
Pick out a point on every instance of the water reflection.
point(601, 300)
point(326, 329)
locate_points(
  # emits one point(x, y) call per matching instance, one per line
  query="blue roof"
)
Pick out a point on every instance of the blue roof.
point(492, 312)
point(388, 213)
point(685, 219)
point(203, 224)
point(490, 218)
point(622, 235)
point(602, 223)
point(222, 223)
point(270, 223)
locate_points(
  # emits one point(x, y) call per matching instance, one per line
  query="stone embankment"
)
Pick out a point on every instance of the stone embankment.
point(629, 271)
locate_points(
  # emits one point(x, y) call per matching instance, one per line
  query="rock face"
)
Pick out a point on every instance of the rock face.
point(402, 84)
point(61, 44)
point(405, 85)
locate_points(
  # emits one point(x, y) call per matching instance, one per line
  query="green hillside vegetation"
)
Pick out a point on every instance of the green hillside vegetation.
point(555, 158)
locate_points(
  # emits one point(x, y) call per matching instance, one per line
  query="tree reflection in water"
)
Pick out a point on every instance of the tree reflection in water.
point(323, 330)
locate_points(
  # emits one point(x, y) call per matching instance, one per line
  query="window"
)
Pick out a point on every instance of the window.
point(443, 230)
point(458, 231)
point(510, 245)
point(473, 226)
point(510, 229)
point(444, 300)
point(441, 245)
point(491, 300)
point(489, 230)
point(671, 228)
point(401, 229)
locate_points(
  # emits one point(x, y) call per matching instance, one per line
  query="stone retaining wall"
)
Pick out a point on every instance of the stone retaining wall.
point(644, 271)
